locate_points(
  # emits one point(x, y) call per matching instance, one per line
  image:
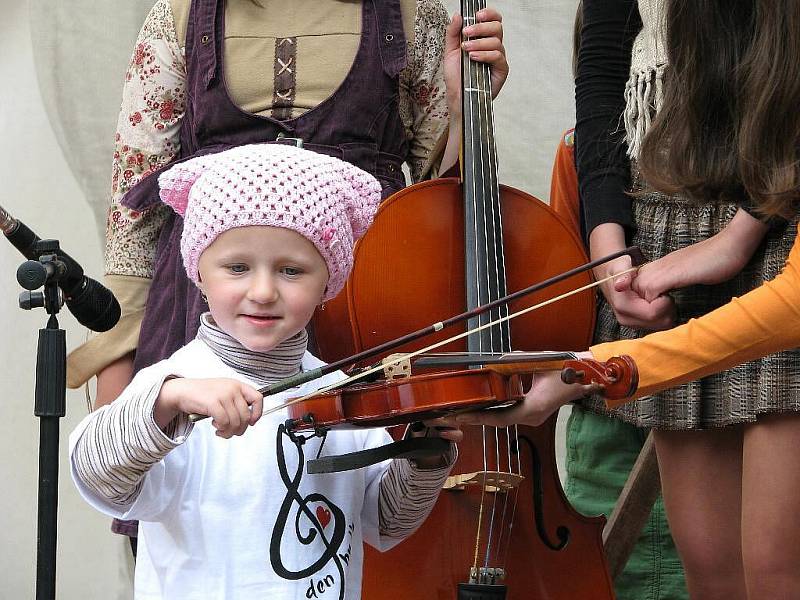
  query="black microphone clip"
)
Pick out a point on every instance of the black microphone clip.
point(33, 274)
point(48, 272)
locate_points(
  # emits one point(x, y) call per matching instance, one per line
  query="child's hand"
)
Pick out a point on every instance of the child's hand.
point(446, 429)
point(231, 404)
point(443, 428)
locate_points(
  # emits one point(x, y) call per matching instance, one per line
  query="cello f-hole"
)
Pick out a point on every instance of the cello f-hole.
point(562, 531)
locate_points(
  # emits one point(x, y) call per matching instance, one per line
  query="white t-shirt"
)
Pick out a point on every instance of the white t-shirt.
point(222, 519)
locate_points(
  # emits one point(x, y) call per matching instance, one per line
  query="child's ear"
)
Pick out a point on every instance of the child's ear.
point(323, 296)
point(199, 285)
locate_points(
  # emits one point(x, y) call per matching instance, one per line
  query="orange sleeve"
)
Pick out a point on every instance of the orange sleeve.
point(763, 321)
point(564, 183)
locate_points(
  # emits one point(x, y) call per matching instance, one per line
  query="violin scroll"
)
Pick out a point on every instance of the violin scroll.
point(617, 378)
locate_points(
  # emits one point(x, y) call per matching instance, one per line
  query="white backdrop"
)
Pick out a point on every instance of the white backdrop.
point(61, 64)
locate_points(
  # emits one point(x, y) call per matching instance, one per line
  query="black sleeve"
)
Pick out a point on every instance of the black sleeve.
point(609, 28)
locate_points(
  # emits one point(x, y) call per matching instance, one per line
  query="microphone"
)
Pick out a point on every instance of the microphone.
point(92, 304)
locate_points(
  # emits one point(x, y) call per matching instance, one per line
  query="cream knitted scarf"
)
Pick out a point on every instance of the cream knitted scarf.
point(644, 92)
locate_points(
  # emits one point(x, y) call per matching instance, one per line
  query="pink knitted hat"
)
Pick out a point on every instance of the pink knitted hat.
point(326, 200)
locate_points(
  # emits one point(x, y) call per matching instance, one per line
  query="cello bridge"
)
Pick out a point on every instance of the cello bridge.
point(492, 481)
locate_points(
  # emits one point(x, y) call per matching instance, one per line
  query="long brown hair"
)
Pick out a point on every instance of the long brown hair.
point(729, 126)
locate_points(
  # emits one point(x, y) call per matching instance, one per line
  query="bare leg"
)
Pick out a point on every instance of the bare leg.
point(770, 505)
point(701, 478)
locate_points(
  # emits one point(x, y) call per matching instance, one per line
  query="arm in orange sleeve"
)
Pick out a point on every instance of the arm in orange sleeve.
point(763, 321)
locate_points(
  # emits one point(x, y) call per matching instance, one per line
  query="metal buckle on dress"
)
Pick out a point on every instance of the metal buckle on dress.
point(296, 140)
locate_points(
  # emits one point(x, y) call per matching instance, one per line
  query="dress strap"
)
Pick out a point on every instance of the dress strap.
point(392, 41)
point(205, 17)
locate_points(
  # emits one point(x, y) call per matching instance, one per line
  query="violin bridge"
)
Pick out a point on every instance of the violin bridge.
point(397, 366)
point(492, 481)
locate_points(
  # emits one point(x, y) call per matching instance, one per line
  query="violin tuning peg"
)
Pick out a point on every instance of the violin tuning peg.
point(570, 375)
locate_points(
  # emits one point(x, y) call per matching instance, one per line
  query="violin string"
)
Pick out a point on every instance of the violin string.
point(490, 538)
point(493, 198)
point(506, 526)
point(439, 344)
point(488, 265)
point(506, 332)
point(502, 287)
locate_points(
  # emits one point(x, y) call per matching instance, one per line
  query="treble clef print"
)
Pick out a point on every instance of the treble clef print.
point(314, 529)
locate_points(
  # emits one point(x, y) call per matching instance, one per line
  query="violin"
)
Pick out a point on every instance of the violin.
point(407, 398)
point(543, 361)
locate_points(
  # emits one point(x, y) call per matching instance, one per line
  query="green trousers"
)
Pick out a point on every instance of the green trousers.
point(600, 454)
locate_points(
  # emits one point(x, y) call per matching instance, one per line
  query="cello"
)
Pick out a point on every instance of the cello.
point(502, 528)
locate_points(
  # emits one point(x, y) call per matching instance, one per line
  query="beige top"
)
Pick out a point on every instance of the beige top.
point(327, 35)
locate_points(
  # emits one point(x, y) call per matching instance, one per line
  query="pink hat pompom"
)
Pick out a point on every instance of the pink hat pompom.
point(362, 189)
point(176, 183)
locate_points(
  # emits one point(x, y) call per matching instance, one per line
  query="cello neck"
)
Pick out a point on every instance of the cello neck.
point(484, 260)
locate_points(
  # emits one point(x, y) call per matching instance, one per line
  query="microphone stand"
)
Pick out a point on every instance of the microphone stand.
point(50, 406)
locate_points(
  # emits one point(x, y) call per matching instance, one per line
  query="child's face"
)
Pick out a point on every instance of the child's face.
point(262, 284)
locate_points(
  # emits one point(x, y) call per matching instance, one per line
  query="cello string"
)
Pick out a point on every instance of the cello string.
point(470, 134)
point(488, 266)
point(434, 346)
point(505, 549)
point(498, 216)
point(506, 332)
point(495, 271)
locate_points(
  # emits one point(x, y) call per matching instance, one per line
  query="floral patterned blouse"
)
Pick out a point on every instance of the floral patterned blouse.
point(153, 102)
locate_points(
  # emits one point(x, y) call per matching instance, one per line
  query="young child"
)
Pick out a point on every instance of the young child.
point(268, 234)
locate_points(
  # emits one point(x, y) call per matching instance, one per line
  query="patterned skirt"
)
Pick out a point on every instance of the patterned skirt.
point(769, 385)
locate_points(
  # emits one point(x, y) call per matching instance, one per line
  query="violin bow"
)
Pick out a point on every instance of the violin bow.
point(637, 258)
point(421, 351)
